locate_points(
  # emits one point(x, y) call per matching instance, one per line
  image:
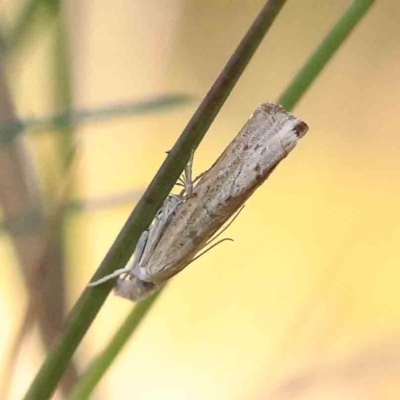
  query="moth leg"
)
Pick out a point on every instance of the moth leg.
point(188, 178)
point(215, 237)
point(166, 212)
point(129, 268)
point(225, 228)
point(211, 247)
point(188, 181)
point(109, 277)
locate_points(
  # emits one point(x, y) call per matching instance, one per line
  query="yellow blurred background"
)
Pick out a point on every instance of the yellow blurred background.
point(304, 301)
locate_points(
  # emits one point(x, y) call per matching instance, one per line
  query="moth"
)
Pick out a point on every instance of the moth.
point(186, 223)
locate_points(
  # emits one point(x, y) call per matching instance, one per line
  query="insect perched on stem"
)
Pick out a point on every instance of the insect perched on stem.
point(186, 223)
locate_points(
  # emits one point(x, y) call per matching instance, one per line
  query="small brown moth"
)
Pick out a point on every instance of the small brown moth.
point(186, 222)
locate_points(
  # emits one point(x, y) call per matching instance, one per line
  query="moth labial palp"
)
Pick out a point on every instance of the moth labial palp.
point(185, 224)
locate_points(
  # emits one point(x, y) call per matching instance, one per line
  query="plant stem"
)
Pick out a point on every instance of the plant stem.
point(324, 52)
point(92, 299)
point(288, 99)
point(103, 362)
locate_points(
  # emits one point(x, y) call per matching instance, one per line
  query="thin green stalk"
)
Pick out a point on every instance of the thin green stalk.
point(25, 222)
point(46, 296)
point(35, 15)
point(85, 386)
point(70, 118)
point(289, 98)
point(52, 289)
point(92, 299)
point(23, 23)
point(324, 52)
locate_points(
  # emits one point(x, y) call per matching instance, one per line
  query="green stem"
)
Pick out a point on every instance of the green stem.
point(35, 16)
point(92, 299)
point(324, 52)
point(85, 386)
point(72, 118)
point(289, 98)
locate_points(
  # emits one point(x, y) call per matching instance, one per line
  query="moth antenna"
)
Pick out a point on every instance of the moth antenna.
point(215, 237)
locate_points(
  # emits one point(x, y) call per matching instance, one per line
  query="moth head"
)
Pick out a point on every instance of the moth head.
point(134, 289)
